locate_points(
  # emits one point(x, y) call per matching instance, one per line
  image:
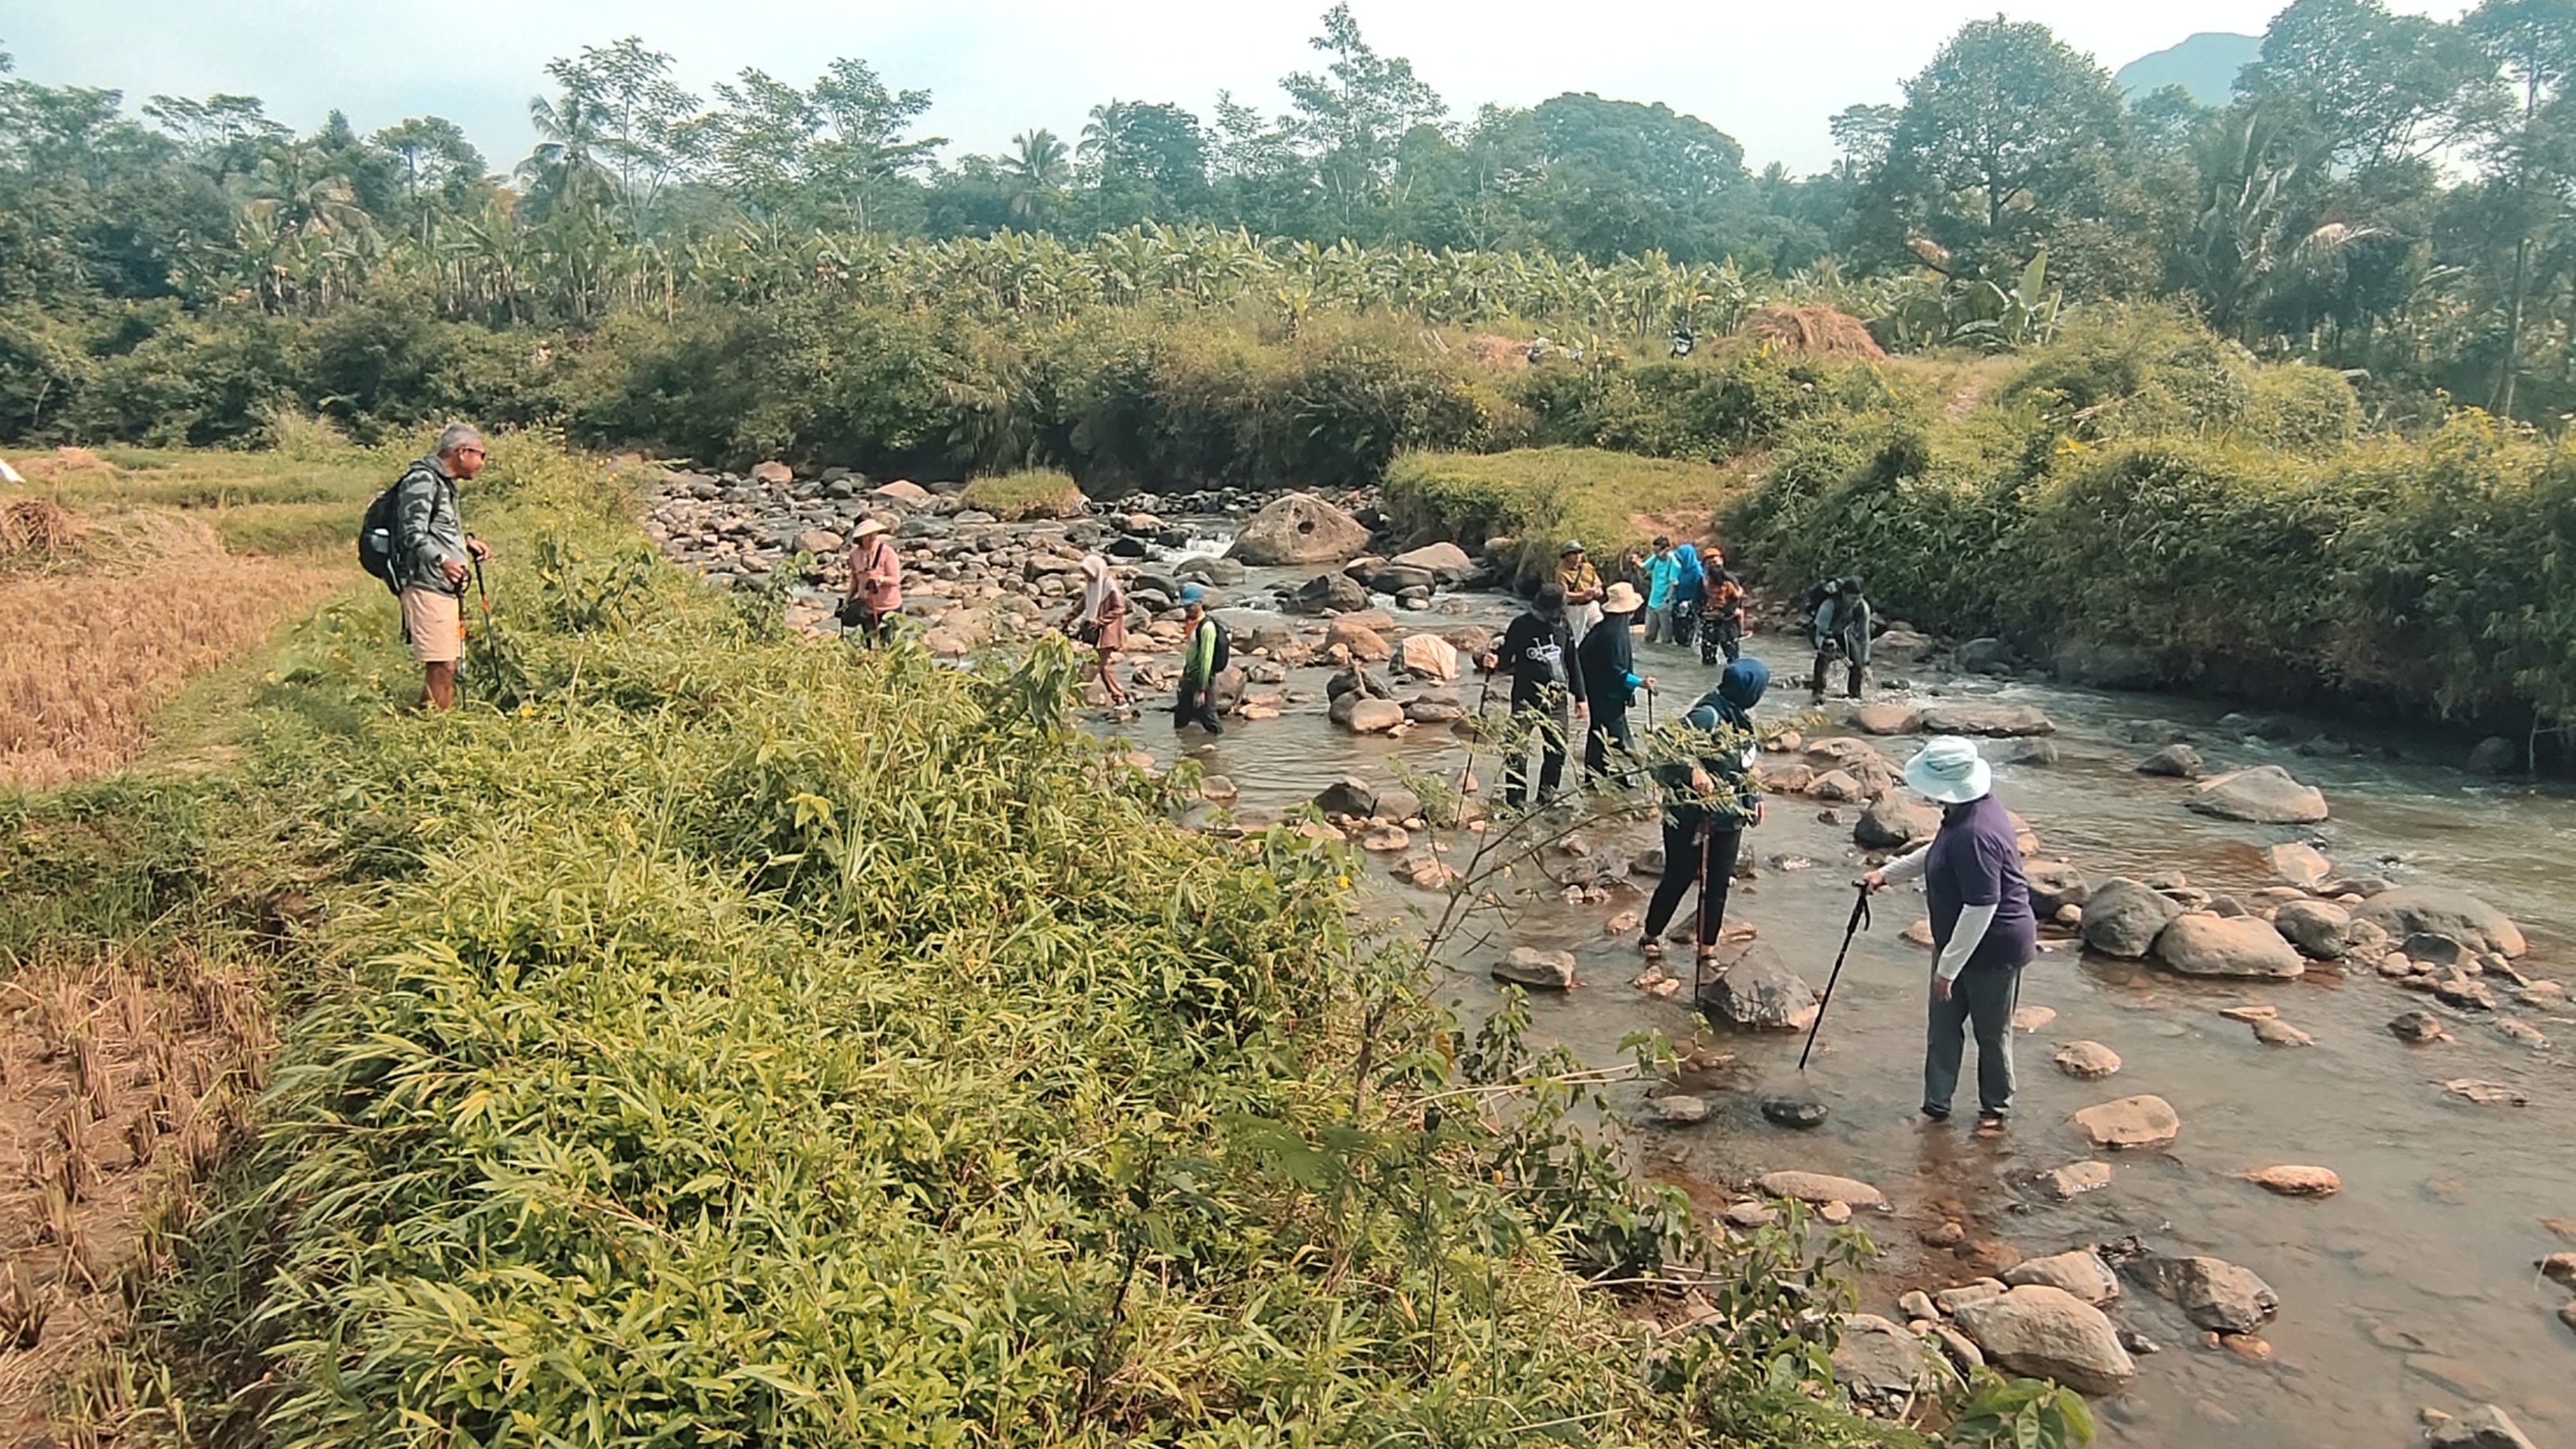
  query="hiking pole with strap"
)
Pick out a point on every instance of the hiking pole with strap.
point(1859, 923)
point(1701, 947)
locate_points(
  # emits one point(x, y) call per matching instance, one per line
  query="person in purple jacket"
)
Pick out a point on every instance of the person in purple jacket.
point(1983, 929)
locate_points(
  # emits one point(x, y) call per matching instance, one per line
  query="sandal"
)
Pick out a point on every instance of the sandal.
point(1990, 1124)
point(1653, 949)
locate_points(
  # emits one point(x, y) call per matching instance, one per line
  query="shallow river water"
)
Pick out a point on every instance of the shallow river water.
point(2413, 1287)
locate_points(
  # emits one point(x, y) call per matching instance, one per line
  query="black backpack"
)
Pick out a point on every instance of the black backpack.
point(1224, 649)
point(376, 534)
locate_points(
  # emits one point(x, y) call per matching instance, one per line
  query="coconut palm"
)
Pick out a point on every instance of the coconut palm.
point(1037, 171)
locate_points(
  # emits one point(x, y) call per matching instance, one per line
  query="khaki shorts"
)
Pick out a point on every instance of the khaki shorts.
point(434, 622)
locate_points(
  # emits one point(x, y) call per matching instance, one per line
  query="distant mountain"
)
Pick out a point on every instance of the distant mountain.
point(2204, 65)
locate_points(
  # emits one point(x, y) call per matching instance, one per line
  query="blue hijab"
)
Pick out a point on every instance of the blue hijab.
point(1687, 555)
point(1738, 690)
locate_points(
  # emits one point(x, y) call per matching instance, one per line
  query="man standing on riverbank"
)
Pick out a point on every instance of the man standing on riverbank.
point(432, 556)
point(1538, 652)
point(1983, 928)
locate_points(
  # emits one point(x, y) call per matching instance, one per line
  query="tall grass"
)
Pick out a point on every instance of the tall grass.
point(730, 1040)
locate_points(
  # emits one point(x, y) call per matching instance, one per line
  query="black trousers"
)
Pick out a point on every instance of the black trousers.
point(1196, 707)
point(1551, 721)
point(1607, 730)
point(1721, 634)
point(1824, 661)
point(1683, 863)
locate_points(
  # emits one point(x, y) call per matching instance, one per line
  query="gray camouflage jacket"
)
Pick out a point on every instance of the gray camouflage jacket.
point(427, 527)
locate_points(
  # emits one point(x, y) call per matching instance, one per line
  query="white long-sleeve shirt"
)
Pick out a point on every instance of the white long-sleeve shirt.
point(1966, 936)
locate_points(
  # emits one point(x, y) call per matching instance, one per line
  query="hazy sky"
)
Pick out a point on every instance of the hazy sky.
point(1769, 73)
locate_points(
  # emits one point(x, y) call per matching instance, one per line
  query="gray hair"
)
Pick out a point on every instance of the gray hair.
point(455, 436)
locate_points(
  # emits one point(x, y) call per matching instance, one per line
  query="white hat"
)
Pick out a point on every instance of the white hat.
point(867, 528)
point(1950, 771)
point(1622, 599)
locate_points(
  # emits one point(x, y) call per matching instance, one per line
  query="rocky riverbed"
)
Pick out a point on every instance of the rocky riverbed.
point(2295, 1080)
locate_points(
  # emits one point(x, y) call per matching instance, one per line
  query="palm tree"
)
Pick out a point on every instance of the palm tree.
point(566, 159)
point(1039, 171)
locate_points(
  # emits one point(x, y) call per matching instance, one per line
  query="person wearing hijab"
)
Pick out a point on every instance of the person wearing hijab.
point(1607, 659)
point(1709, 800)
point(1983, 928)
point(1099, 620)
point(1690, 594)
point(1203, 654)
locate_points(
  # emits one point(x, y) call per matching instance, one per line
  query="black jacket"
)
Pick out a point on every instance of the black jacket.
point(1539, 656)
point(1608, 657)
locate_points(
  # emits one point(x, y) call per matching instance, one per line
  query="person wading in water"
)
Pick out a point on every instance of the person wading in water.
point(1203, 656)
point(1709, 800)
point(1983, 928)
point(1538, 653)
point(1607, 661)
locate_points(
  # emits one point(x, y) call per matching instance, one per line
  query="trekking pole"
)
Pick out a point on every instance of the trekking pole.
point(1467, 771)
point(491, 646)
point(1859, 923)
point(1699, 936)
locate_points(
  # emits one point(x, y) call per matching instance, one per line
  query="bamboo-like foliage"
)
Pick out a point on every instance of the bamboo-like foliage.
point(759, 1045)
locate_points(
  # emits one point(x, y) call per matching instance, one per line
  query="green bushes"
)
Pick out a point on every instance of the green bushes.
point(729, 1041)
point(1729, 399)
point(2145, 486)
point(1033, 493)
point(1542, 496)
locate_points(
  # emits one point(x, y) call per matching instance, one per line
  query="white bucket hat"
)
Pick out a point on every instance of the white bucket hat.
point(1950, 771)
point(1622, 599)
point(868, 528)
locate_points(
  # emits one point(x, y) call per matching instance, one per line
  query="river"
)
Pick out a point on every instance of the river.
point(2412, 1287)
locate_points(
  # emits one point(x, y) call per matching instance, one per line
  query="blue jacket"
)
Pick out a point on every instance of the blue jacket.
point(1661, 571)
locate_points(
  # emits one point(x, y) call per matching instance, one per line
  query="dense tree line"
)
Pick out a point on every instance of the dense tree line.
point(2386, 194)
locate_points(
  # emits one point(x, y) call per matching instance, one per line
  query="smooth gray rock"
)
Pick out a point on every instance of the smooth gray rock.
point(2202, 944)
point(2037, 1329)
point(2123, 918)
point(2175, 762)
point(1754, 988)
point(2404, 910)
point(2211, 1292)
point(2262, 795)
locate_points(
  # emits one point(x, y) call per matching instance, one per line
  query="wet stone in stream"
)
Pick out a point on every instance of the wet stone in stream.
point(1795, 1112)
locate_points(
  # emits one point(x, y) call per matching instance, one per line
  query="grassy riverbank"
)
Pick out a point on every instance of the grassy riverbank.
point(723, 1038)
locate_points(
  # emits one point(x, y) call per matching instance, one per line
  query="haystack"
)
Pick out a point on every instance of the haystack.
point(1813, 331)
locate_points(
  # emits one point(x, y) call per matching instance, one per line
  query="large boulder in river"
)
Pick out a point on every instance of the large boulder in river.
point(2211, 1292)
point(1528, 966)
point(1872, 772)
point(1428, 656)
point(2407, 910)
point(2319, 928)
point(1445, 562)
point(1897, 820)
point(1299, 528)
point(1984, 719)
point(2123, 918)
point(1754, 988)
point(1329, 594)
point(2201, 944)
point(2054, 886)
point(2037, 1329)
point(2264, 795)
point(1362, 716)
point(1363, 642)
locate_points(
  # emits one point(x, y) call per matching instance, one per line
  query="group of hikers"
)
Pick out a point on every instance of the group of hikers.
point(1572, 649)
point(1571, 652)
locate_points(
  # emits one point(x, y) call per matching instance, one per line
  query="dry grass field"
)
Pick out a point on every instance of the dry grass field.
point(123, 578)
